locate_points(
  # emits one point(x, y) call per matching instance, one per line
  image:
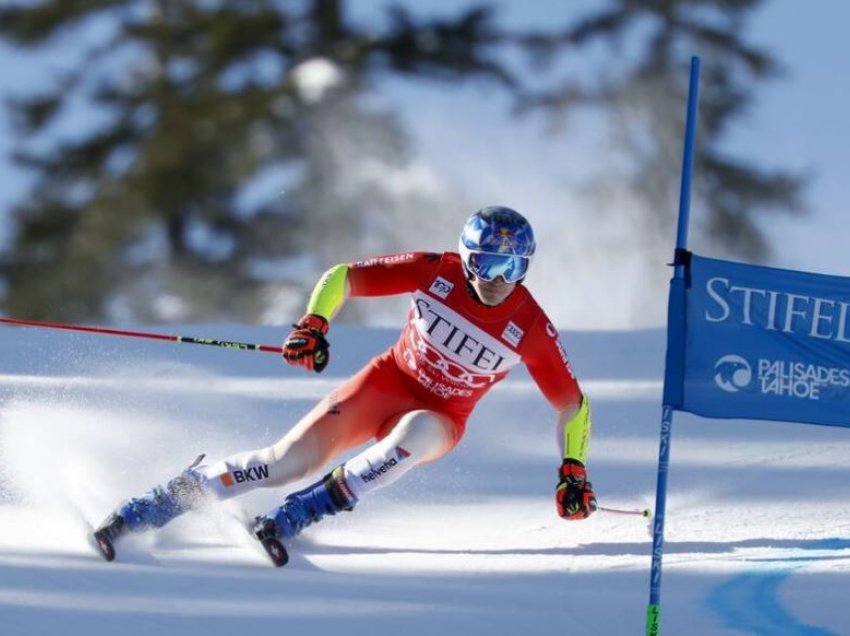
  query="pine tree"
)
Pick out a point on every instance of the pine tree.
point(217, 178)
point(154, 215)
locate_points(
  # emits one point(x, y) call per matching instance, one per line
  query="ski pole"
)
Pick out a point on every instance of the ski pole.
point(243, 346)
point(645, 513)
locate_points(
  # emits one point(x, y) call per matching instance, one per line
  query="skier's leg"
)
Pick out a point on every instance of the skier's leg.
point(312, 443)
point(416, 437)
point(348, 417)
point(330, 428)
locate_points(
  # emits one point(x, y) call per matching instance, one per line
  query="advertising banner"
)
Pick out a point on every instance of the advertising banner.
point(755, 342)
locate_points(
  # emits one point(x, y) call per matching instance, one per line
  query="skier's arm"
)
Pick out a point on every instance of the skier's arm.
point(330, 293)
point(574, 496)
point(548, 364)
point(378, 276)
point(393, 274)
point(306, 345)
point(573, 430)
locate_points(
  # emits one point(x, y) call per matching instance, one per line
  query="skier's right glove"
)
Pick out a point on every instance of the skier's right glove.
point(306, 345)
point(574, 496)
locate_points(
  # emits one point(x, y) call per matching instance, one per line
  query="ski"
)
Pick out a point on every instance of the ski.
point(104, 544)
point(103, 538)
point(271, 545)
point(275, 550)
point(264, 530)
point(106, 533)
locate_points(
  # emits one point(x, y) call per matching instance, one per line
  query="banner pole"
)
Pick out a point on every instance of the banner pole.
point(677, 285)
point(688, 159)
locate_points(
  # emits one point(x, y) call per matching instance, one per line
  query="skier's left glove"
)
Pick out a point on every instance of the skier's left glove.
point(306, 346)
point(574, 495)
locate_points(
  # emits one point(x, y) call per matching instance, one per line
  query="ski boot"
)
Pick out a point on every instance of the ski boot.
point(327, 496)
point(154, 509)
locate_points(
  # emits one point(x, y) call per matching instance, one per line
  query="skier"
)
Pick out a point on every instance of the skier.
point(470, 322)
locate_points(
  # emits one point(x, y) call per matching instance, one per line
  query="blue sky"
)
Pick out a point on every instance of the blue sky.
point(801, 121)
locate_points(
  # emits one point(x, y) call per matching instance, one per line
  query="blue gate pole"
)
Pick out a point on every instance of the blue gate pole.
point(674, 354)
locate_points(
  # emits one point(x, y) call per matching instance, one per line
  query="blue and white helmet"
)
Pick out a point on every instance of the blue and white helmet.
point(497, 241)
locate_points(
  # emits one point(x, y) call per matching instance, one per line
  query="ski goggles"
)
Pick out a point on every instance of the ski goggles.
point(488, 267)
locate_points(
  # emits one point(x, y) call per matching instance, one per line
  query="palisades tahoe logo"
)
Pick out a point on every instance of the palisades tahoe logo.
point(732, 373)
point(787, 378)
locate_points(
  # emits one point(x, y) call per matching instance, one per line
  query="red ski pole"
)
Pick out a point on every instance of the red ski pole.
point(243, 346)
point(646, 513)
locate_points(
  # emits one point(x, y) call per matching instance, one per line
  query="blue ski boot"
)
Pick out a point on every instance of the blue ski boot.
point(153, 509)
point(327, 496)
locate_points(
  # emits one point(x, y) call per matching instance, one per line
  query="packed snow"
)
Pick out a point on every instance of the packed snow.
point(758, 525)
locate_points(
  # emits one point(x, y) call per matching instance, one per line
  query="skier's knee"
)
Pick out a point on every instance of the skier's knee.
point(426, 434)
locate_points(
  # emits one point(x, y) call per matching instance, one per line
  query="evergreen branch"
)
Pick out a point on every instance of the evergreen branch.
point(33, 25)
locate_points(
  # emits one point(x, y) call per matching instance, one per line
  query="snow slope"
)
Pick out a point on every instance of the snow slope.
point(758, 529)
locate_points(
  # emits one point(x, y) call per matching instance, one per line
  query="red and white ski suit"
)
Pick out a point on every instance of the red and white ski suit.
point(452, 350)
